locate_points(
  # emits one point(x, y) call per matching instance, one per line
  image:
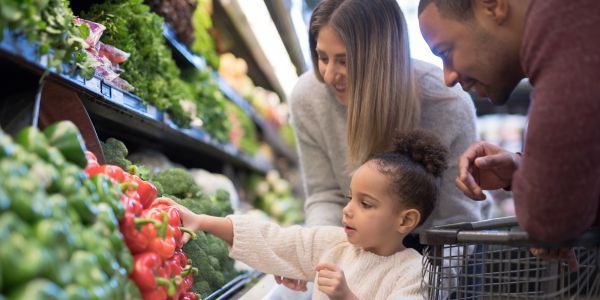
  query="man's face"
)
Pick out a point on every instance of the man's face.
point(475, 53)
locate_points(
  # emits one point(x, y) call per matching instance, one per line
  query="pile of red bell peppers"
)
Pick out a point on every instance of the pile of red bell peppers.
point(153, 234)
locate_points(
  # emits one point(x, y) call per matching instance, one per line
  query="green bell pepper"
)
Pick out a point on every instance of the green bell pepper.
point(32, 140)
point(126, 260)
point(11, 224)
point(71, 180)
point(55, 157)
point(85, 265)
point(28, 200)
point(25, 258)
point(43, 173)
point(24, 157)
point(109, 193)
point(38, 289)
point(54, 234)
point(4, 199)
point(65, 137)
point(82, 203)
point(58, 207)
point(75, 292)
point(106, 216)
point(7, 147)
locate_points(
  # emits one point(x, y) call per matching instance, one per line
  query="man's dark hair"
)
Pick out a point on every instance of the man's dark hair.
point(458, 9)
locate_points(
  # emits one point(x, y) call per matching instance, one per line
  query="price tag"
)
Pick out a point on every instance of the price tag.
point(152, 111)
point(93, 84)
point(117, 96)
point(106, 90)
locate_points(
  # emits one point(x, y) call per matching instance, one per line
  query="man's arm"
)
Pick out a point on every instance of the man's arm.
point(557, 187)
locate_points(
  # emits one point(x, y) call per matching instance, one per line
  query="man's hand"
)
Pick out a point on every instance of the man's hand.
point(484, 166)
point(565, 255)
point(292, 284)
point(332, 282)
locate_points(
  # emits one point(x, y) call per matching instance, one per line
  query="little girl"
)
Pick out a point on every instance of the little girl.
point(390, 194)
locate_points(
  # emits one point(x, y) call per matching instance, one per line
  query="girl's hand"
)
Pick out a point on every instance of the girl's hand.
point(292, 284)
point(332, 282)
point(189, 219)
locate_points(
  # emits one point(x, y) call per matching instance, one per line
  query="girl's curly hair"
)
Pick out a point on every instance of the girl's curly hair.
point(415, 166)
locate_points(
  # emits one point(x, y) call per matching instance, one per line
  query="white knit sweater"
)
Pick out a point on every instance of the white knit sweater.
point(319, 123)
point(295, 251)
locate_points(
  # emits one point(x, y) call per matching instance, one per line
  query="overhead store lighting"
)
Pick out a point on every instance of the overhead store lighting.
point(254, 23)
point(301, 29)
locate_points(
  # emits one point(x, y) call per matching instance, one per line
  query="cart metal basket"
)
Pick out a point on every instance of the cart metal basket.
point(491, 260)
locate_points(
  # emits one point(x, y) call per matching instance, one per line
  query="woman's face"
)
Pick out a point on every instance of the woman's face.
point(331, 53)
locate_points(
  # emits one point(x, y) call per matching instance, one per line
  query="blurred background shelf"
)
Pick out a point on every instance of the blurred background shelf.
point(184, 56)
point(123, 115)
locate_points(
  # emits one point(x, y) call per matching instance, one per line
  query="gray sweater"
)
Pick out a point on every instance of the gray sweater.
point(319, 122)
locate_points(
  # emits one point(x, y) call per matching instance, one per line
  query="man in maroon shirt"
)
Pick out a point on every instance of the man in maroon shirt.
point(489, 46)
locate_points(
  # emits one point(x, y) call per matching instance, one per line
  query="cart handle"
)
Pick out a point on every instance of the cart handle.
point(504, 231)
point(481, 225)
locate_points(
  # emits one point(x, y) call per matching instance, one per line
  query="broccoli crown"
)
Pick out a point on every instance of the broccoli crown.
point(159, 189)
point(202, 287)
point(209, 254)
point(115, 153)
point(222, 195)
point(177, 182)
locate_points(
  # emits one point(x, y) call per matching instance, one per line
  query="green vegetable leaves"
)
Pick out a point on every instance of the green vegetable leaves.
point(131, 27)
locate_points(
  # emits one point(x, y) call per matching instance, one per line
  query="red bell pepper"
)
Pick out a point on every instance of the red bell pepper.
point(181, 272)
point(174, 221)
point(146, 190)
point(149, 275)
point(172, 212)
point(136, 241)
point(160, 234)
point(156, 294)
point(92, 161)
point(132, 205)
point(91, 157)
point(189, 296)
point(114, 172)
point(174, 264)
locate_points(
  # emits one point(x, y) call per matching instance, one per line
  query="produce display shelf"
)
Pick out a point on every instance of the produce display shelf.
point(120, 111)
point(235, 285)
point(192, 59)
point(200, 63)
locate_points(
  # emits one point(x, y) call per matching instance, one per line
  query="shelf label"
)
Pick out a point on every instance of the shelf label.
point(93, 84)
point(152, 111)
point(117, 96)
point(135, 104)
point(105, 89)
point(79, 79)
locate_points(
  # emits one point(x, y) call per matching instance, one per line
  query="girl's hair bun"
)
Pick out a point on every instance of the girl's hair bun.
point(424, 148)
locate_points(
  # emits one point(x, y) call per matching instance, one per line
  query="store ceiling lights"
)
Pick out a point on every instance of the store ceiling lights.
point(253, 21)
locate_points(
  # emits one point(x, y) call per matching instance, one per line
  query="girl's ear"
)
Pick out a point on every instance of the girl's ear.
point(408, 220)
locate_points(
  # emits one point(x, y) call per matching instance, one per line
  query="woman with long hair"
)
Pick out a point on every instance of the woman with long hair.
point(364, 86)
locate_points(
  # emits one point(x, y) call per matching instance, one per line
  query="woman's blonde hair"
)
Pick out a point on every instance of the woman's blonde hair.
point(381, 87)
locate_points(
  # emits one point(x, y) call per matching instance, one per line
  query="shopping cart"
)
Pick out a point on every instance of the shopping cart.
point(491, 260)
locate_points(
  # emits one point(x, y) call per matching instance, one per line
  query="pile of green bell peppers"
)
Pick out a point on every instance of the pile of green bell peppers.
point(59, 229)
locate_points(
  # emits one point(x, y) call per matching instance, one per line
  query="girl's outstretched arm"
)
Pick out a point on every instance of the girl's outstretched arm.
point(220, 227)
